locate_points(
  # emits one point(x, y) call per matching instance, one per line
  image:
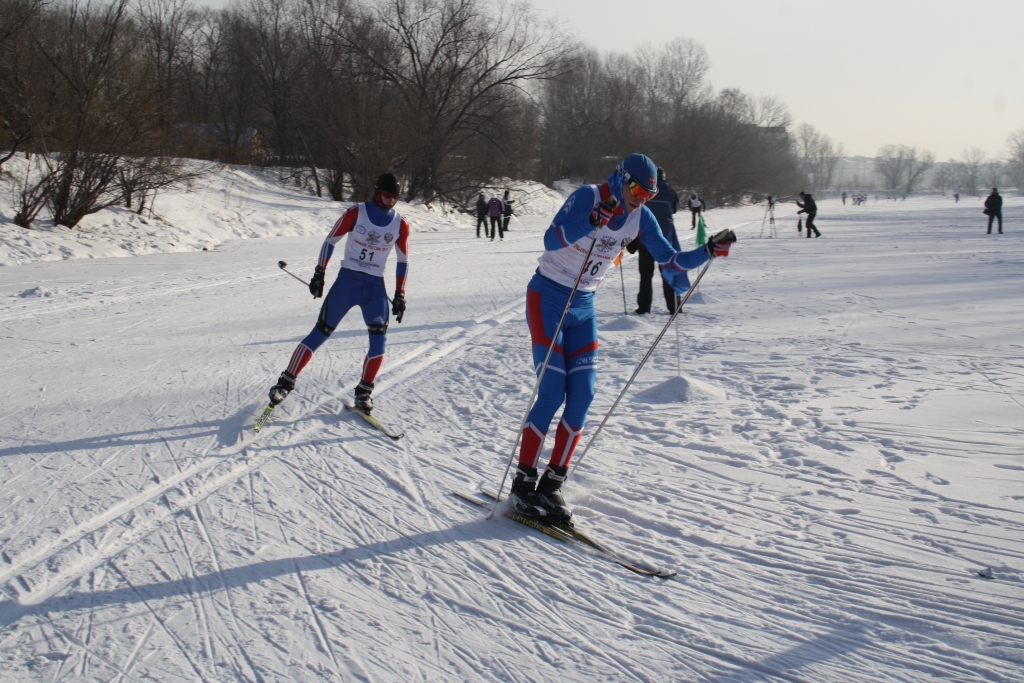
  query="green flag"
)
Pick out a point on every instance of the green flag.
point(702, 236)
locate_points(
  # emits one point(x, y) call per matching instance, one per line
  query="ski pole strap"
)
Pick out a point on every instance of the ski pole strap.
point(639, 367)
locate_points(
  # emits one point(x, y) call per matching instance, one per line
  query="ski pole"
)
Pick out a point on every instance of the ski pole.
point(679, 363)
point(282, 264)
point(547, 359)
point(625, 309)
point(636, 372)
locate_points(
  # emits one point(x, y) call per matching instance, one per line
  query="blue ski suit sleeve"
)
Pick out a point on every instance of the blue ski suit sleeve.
point(572, 221)
point(674, 264)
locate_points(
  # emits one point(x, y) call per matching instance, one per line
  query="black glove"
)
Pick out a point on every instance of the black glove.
point(316, 285)
point(633, 245)
point(398, 306)
point(719, 243)
point(603, 212)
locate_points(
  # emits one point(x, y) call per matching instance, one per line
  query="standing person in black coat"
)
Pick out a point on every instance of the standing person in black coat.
point(696, 205)
point(481, 214)
point(506, 211)
point(808, 206)
point(994, 209)
point(662, 205)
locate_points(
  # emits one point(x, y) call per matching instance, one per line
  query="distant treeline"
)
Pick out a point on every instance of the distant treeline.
point(448, 93)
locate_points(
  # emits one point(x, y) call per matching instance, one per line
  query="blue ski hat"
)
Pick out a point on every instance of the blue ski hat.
point(638, 167)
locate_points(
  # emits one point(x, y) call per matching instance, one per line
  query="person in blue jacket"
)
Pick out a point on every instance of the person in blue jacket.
point(608, 216)
point(663, 205)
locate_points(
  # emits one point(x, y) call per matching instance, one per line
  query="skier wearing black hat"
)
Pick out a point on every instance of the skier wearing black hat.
point(373, 228)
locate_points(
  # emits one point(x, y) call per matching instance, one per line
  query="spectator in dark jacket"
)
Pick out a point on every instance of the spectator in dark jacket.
point(481, 215)
point(506, 211)
point(994, 209)
point(494, 212)
point(662, 205)
point(808, 206)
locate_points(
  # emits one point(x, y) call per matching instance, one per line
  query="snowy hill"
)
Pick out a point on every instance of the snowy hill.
point(838, 456)
point(229, 203)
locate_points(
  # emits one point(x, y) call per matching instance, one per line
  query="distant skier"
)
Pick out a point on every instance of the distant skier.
point(844, 199)
point(481, 214)
point(994, 209)
point(373, 228)
point(696, 205)
point(616, 211)
point(807, 205)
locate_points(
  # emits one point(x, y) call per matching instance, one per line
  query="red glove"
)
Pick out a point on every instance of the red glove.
point(603, 212)
point(719, 243)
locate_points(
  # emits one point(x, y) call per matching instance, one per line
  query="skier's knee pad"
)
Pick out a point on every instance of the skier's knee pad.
point(324, 328)
point(377, 339)
point(321, 322)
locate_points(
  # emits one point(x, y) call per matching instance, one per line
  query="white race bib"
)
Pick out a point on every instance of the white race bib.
point(368, 246)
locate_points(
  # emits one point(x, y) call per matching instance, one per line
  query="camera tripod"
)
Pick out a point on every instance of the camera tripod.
point(769, 217)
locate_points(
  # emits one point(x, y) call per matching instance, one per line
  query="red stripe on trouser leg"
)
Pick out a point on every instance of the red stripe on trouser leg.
point(566, 440)
point(300, 357)
point(371, 366)
point(532, 443)
point(535, 321)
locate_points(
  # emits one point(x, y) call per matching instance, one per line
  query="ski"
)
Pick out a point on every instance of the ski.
point(554, 532)
point(614, 556)
point(372, 421)
point(263, 419)
point(567, 534)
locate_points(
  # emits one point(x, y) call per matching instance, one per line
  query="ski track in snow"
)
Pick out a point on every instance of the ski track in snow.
point(839, 458)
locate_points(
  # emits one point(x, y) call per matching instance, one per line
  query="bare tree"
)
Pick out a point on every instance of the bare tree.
point(454, 63)
point(165, 27)
point(970, 167)
point(918, 164)
point(18, 67)
point(891, 165)
point(140, 178)
point(819, 156)
point(31, 190)
point(992, 173)
point(946, 176)
point(1015, 158)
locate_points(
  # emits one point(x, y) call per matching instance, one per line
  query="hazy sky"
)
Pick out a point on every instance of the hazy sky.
point(945, 75)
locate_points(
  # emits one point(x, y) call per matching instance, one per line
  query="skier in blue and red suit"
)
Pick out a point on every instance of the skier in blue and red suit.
point(572, 371)
point(373, 228)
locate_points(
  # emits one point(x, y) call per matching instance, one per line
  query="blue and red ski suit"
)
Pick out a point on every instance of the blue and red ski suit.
point(572, 371)
point(360, 281)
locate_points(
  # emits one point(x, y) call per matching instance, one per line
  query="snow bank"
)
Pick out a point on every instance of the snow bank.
point(230, 203)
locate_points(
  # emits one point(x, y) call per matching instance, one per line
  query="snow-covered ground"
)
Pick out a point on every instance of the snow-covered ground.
point(839, 457)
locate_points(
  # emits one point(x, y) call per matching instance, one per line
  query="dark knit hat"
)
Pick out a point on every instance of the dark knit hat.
point(387, 182)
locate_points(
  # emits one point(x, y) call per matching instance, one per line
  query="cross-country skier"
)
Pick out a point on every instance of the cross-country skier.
point(696, 205)
point(373, 228)
point(616, 211)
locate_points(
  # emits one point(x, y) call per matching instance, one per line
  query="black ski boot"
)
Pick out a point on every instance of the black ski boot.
point(363, 401)
point(549, 492)
point(285, 385)
point(523, 496)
